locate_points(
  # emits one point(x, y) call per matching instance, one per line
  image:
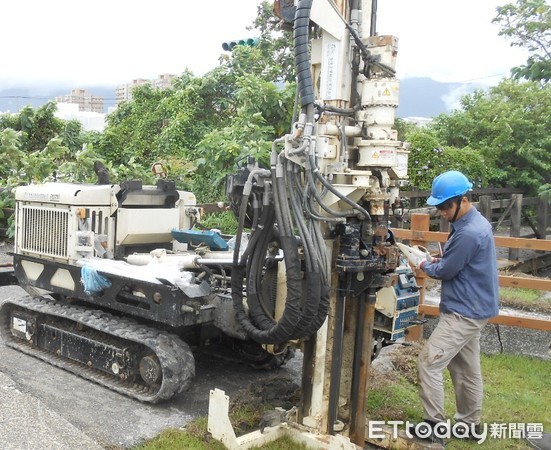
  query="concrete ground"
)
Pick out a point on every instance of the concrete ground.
point(28, 423)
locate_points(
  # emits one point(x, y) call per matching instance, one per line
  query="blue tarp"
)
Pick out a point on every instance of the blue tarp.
point(93, 282)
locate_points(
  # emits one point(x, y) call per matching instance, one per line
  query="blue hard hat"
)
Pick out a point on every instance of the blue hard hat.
point(448, 185)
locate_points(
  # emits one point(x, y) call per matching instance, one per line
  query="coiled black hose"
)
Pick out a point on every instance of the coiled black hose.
point(302, 55)
point(284, 330)
point(301, 316)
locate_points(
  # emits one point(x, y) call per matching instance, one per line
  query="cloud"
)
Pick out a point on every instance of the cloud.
point(111, 42)
point(448, 42)
point(452, 99)
point(108, 42)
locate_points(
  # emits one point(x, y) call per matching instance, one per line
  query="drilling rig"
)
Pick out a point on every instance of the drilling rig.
point(123, 285)
point(335, 180)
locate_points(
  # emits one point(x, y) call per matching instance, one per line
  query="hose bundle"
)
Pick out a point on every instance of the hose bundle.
point(305, 306)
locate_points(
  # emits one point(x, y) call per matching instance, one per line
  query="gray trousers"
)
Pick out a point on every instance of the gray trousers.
point(455, 344)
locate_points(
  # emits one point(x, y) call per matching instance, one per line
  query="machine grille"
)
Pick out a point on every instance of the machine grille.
point(44, 231)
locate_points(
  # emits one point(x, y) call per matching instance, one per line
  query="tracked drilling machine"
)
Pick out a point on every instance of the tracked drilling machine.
point(124, 285)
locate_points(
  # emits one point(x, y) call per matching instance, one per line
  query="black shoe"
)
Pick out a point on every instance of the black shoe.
point(425, 432)
point(468, 431)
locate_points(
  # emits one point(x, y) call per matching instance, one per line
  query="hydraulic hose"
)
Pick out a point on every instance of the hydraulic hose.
point(302, 54)
point(298, 319)
point(330, 187)
point(320, 202)
point(257, 310)
point(243, 211)
point(313, 280)
point(269, 331)
point(317, 304)
point(307, 204)
point(284, 330)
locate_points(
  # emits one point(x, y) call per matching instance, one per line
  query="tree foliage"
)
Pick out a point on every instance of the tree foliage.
point(429, 158)
point(276, 42)
point(201, 127)
point(38, 126)
point(506, 129)
point(155, 124)
point(528, 24)
point(509, 127)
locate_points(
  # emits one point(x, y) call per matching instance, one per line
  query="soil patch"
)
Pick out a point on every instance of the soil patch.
point(253, 407)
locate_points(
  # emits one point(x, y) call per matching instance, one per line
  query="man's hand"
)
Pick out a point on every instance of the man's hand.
point(415, 254)
point(428, 259)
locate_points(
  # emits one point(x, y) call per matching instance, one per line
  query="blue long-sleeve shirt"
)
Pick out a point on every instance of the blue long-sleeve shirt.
point(468, 269)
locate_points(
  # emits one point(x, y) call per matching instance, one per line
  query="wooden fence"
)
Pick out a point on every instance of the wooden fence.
point(512, 211)
point(420, 234)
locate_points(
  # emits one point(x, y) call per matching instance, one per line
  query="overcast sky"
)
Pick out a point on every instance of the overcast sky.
point(109, 42)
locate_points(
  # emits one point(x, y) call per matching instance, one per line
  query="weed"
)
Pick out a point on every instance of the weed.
point(223, 221)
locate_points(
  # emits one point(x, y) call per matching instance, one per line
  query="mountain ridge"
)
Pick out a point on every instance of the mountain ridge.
point(419, 97)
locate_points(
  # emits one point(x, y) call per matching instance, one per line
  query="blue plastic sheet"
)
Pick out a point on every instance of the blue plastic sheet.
point(93, 282)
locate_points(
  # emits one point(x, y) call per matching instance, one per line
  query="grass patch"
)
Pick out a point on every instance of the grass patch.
point(517, 389)
point(224, 221)
point(171, 439)
point(195, 436)
point(521, 294)
point(526, 299)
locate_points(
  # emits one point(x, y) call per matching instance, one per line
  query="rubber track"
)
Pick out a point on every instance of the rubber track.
point(175, 356)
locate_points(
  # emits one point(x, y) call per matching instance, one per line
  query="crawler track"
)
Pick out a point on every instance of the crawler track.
point(174, 356)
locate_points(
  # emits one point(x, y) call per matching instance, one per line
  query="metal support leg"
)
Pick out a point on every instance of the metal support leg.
point(336, 360)
point(362, 360)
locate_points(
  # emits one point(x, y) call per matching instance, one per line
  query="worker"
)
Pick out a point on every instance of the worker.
point(467, 269)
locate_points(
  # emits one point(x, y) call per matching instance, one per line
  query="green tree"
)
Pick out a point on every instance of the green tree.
point(263, 112)
point(202, 126)
point(404, 128)
point(276, 42)
point(39, 126)
point(429, 157)
point(528, 24)
point(10, 152)
point(134, 127)
point(161, 125)
point(509, 127)
point(44, 126)
point(72, 135)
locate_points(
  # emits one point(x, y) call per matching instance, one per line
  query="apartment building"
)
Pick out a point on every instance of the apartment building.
point(123, 93)
point(84, 100)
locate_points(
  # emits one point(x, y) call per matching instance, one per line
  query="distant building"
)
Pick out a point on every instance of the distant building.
point(123, 93)
point(164, 81)
point(84, 100)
